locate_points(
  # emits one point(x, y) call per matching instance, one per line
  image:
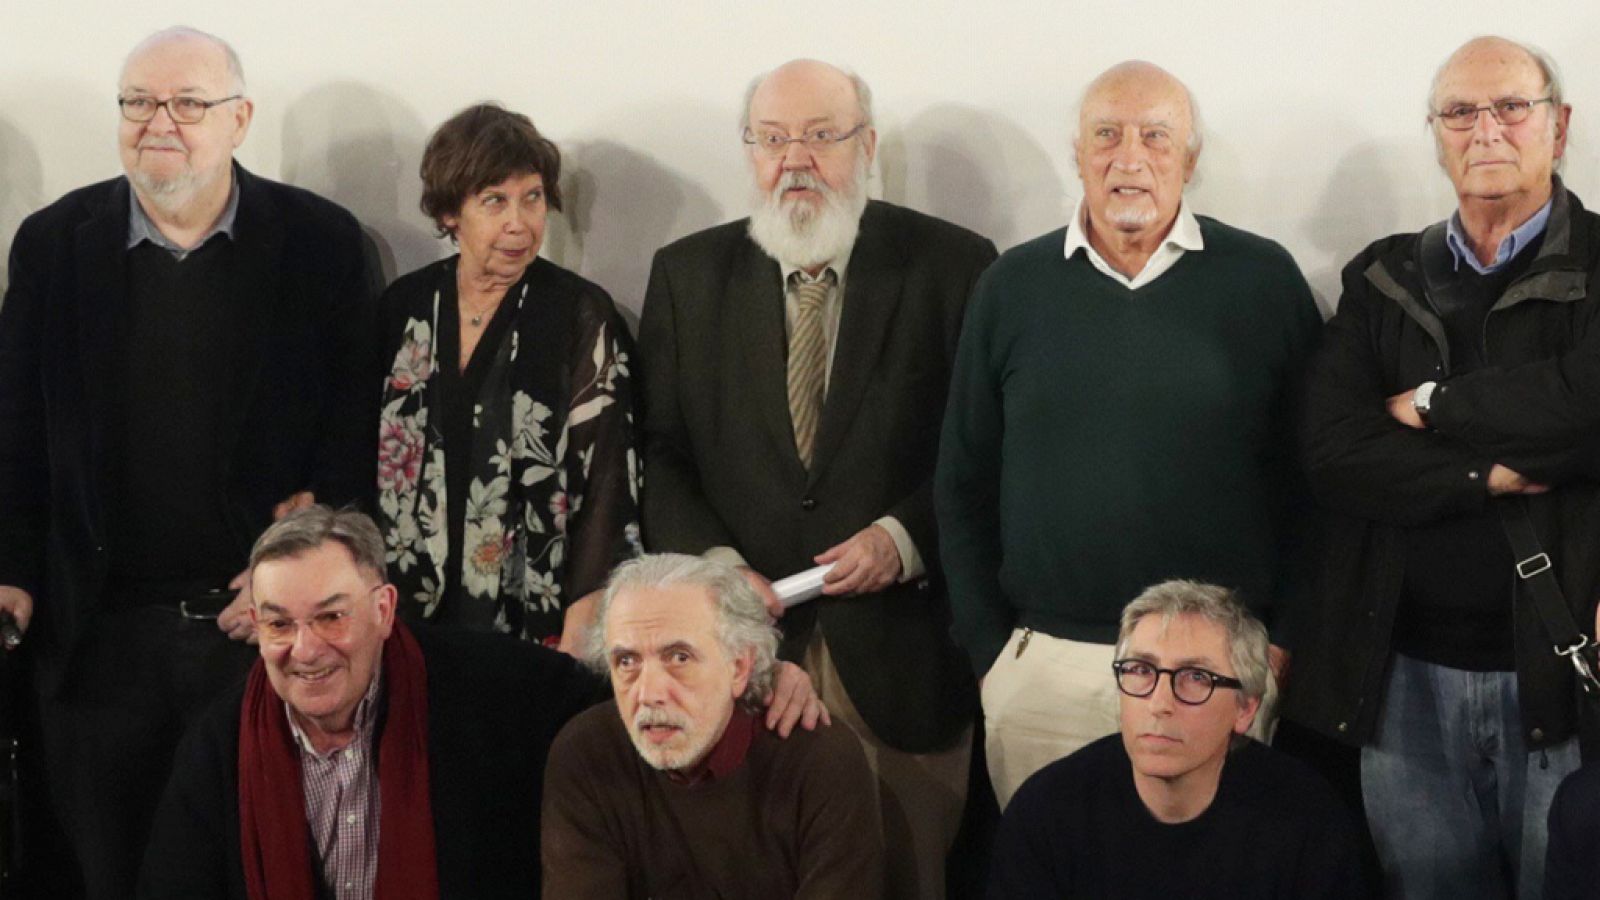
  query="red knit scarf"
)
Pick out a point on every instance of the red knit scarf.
point(274, 836)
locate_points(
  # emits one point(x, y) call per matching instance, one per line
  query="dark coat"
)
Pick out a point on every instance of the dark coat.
point(1534, 408)
point(720, 461)
point(495, 704)
point(306, 412)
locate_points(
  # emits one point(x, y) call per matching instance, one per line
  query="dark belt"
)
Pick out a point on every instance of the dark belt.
point(203, 600)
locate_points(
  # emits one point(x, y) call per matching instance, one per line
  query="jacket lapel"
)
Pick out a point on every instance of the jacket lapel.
point(258, 243)
point(871, 296)
point(102, 310)
point(754, 300)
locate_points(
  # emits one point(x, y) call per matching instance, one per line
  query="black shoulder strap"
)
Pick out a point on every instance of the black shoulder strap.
point(1538, 576)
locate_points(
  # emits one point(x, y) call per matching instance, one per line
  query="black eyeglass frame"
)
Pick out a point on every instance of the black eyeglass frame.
point(1460, 113)
point(205, 107)
point(1212, 678)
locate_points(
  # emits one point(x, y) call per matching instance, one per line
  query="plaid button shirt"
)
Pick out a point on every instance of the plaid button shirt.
point(341, 789)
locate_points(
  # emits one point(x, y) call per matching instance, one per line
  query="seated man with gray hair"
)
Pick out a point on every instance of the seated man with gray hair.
point(364, 759)
point(1181, 803)
point(672, 790)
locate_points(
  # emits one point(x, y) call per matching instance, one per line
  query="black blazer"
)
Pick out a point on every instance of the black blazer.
point(306, 414)
point(720, 461)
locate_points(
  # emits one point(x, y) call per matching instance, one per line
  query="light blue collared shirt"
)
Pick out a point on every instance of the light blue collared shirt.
point(1456, 239)
point(141, 229)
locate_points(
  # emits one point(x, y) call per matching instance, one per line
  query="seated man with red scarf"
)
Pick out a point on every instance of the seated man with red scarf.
point(362, 759)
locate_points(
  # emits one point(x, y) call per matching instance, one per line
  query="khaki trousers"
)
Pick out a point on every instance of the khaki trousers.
point(921, 795)
point(1051, 699)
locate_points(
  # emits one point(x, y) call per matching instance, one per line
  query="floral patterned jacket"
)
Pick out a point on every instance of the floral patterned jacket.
point(554, 489)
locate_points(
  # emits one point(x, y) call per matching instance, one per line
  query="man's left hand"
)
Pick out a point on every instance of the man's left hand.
point(866, 563)
point(235, 621)
point(1404, 410)
point(792, 700)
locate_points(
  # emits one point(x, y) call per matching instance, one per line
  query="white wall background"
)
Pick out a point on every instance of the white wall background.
point(1315, 134)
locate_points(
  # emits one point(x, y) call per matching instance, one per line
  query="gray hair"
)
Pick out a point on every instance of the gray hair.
point(741, 616)
point(1547, 69)
point(1247, 637)
point(1197, 130)
point(235, 68)
point(863, 98)
point(304, 530)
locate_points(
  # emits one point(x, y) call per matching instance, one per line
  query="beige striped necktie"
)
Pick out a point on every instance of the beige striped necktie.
point(808, 361)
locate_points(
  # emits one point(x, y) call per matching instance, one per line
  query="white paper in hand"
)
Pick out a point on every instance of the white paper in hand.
point(803, 586)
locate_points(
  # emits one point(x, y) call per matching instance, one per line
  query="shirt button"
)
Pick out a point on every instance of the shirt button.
point(1343, 727)
point(1473, 475)
point(808, 504)
point(350, 819)
point(1537, 734)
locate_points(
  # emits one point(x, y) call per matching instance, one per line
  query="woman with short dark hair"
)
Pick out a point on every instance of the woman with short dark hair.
point(507, 477)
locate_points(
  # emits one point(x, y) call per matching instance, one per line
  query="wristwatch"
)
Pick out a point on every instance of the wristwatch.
point(1422, 400)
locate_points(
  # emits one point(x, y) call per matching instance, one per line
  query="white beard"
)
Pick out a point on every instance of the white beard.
point(691, 747)
point(800, 235)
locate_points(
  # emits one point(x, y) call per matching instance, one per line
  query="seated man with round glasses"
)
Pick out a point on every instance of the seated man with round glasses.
point(1180, 803)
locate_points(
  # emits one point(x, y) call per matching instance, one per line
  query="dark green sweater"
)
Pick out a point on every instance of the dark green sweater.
point(1099, 440)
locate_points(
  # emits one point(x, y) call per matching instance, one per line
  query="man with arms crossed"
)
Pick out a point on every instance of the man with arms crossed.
point(1456, 400)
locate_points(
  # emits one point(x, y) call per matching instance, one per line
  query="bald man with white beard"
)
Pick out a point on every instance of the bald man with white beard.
point(795, 366)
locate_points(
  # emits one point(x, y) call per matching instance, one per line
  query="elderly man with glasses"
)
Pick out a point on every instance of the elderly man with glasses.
point(795, 366)
point(1180, 803)
point(184, 354)
point(1450, 431)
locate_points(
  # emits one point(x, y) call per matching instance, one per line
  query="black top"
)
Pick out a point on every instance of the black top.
point(1077, 828)
point(1455, 604)
point(1572, 860)
point(459, 390)
point(182, 350)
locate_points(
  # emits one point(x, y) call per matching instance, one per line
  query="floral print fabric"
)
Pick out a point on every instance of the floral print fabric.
point(552, 500)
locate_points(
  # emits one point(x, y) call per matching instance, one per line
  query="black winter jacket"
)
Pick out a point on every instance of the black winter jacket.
point(1534, 408)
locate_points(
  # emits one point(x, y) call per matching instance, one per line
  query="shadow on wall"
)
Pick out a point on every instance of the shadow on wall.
point(360, 147)
point(1362, 202)
point(977, 169)
point(21, 183)
point(621, 206)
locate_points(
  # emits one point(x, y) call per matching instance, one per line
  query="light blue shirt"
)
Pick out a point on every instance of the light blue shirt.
point(1456, 239)
point(141, 229)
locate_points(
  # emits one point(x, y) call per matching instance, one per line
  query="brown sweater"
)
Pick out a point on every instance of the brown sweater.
point(798, 819)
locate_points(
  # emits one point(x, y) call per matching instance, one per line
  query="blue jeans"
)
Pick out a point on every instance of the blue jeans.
point(1455, 800)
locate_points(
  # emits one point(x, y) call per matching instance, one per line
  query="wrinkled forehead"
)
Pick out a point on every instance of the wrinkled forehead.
point(1142, 102)
point(178, 63)
point(1491, 72)
point(648, 620)
point(812, 99)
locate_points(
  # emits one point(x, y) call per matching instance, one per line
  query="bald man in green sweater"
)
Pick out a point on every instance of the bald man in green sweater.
point(1119, 416)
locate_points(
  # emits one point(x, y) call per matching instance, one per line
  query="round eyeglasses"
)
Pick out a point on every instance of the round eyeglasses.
point(1192, 685)
point(1506, 111)
point(183, 110)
